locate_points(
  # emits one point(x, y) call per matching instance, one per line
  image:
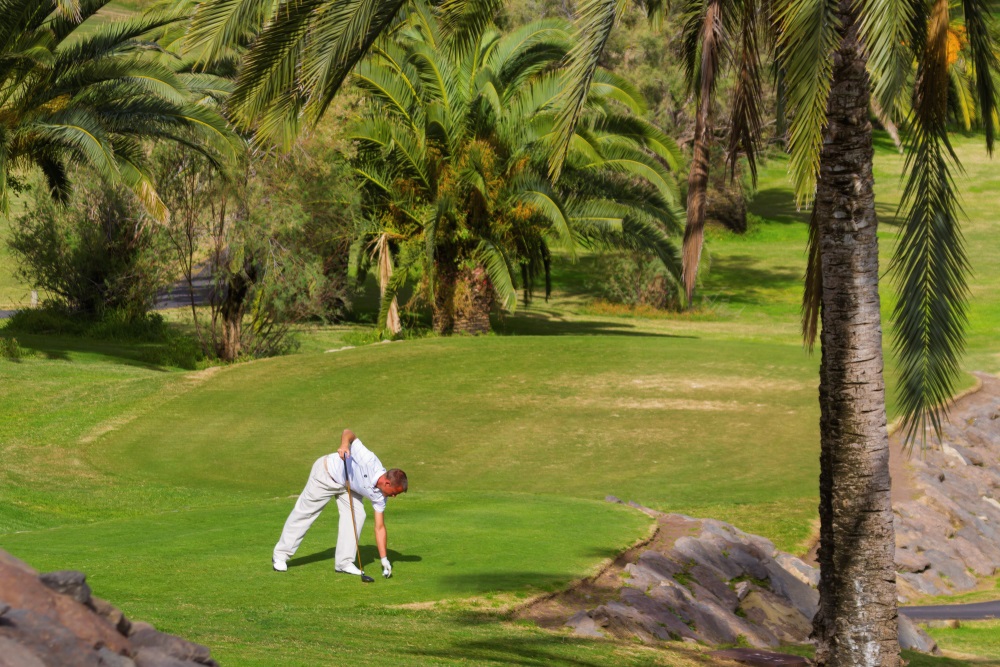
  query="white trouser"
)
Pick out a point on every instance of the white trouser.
point(319, 489)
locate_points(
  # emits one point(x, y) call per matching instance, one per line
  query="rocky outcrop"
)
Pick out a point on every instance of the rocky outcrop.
point(53, 619)
point(948, 529)
point(715, 584)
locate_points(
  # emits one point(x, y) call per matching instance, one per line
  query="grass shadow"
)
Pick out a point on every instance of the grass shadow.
point(551, 323)
point(61, 348)
point(747, 280)
point(368, 554)
point(543, 652)
point(475, 583)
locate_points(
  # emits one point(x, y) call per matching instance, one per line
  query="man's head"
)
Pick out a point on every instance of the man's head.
point(392, 483)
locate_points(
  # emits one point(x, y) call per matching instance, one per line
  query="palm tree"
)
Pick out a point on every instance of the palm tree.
point(836, 54)
point(715, 35)
point(92, 98)
point(453, 156)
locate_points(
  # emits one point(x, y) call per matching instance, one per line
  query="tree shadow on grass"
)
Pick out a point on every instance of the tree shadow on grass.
point(60, 348)
point(368, 554)
point(540, 651)
point(746, 282)
point(507, 581)
point(778, 205)
point(550, 323)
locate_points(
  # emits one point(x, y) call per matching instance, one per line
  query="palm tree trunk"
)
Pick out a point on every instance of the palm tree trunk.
point(694, 228)
point(445, 279)
point(473, 301)
point(857, 619)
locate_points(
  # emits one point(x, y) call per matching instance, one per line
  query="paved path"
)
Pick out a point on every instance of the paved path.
point(954, 612)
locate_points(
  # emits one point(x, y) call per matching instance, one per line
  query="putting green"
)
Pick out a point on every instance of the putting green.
point(206, 573)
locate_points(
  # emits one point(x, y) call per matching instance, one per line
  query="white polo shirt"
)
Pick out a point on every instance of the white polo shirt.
point(365, 469)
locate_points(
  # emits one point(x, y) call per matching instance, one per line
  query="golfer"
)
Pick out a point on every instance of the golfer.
point(368, 479)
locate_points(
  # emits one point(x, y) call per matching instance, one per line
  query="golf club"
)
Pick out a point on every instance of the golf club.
point(350, 498)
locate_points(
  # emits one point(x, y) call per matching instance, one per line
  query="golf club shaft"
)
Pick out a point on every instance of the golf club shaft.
point(350, 499)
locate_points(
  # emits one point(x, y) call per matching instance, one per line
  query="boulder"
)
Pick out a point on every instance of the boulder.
point(53, 619)
point(145, 636)
point(913, 638)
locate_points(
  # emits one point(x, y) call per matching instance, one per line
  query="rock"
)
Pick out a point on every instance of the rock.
point(53, 620)
point(584, 626)
point(182, 649)
point(910, 561)
point(111, 659)
point(801, 596)
point(13, 654)
point(953, 454)
point(742, 588)
point(951, 569)
point(798, 568)
point(149, 657)
point(21, 589)
point(112, 615)
point(614, 499)
point(47, 639)
point(648, 511)
point(759, 658)
point(921, 583)
point(969, 455)
point(68, 582)
point(913, 638)
point(781, 618)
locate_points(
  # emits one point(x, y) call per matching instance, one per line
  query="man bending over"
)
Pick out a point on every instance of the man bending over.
point(368, 478)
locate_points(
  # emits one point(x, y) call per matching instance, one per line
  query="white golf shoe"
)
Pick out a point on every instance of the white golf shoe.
point(350, 568)
point(280, 565)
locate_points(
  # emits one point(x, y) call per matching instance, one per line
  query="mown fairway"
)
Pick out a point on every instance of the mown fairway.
point(169, 487)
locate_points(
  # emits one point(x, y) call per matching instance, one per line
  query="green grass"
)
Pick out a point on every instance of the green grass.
point(169, 487)
point(980, 638)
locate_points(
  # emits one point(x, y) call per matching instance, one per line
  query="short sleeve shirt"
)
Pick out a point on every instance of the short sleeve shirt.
point(365, 469)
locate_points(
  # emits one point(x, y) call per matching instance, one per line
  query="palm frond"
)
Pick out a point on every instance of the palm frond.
point(807, 39)
point(593, 25)
point(499, 269)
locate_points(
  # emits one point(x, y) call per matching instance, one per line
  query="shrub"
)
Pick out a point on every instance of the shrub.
point(98, 253)
point(12, 350)
point(636, 279)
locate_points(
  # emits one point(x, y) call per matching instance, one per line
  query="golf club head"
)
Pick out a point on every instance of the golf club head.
point(366, 579)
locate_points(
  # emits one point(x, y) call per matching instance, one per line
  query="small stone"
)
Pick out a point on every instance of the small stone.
point(584, 626)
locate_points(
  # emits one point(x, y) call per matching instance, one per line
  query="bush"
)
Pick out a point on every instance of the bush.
point(97, 253)
point(636, 279)
point(12, 350)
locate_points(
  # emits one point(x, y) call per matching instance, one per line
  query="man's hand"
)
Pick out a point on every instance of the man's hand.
point(386, 568)
point(345, 443)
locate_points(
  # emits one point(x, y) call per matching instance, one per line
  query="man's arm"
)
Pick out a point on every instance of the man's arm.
point(381, 537)
point(346, 438)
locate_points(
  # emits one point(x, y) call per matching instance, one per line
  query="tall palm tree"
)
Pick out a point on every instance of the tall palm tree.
point(92, 97)
point(453, 156)
point(836, 55)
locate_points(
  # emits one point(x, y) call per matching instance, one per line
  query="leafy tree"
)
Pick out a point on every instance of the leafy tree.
point(99, 254)
point(92, 97)
point(452, 153)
